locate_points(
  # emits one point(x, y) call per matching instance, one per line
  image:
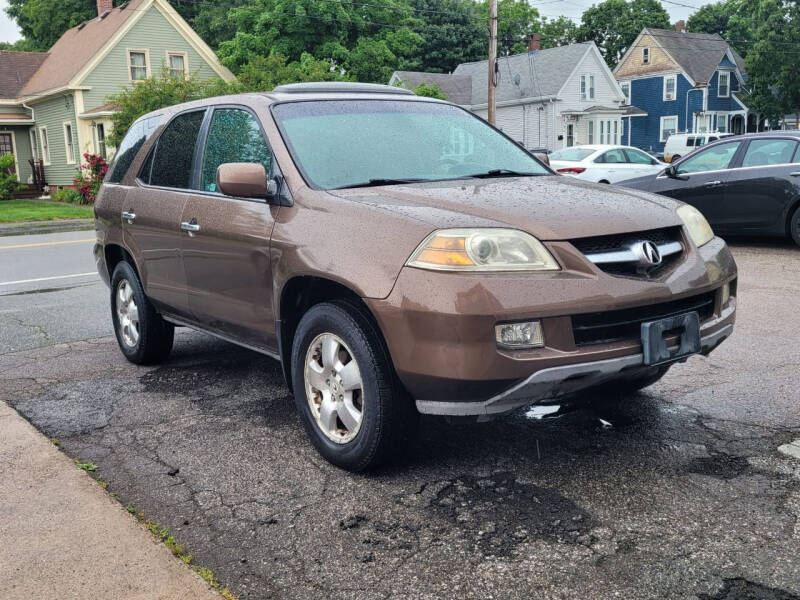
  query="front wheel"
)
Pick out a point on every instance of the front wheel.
point(794, 226)
point(345, 388)
point(143, 336)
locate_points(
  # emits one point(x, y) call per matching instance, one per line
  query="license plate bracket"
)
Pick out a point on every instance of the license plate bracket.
point(654, 344)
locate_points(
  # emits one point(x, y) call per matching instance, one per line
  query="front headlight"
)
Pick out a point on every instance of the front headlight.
point(482, 250)
point(696, 224)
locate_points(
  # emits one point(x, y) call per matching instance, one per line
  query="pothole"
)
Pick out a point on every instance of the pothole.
point(742, 589)
point(719, 465)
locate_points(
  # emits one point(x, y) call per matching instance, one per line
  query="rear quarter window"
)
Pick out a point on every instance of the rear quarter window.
point(130, 146)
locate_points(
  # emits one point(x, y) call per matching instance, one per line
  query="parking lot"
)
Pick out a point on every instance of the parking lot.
point(677, 492)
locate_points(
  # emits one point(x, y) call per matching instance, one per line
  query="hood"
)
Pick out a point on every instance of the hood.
point(549, 207)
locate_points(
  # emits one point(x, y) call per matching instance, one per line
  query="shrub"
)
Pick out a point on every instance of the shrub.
point(69, 195)
point(87, 181)
point(8, 180)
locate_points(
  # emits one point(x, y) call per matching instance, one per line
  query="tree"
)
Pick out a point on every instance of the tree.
point(42, 22)
point(430, 90)
point(614, 24)
point(557, 32)
point(731, 19)
point(516, 21)
point(773, 61)
point(454, 33)
point(154, 93)
point(264, 73)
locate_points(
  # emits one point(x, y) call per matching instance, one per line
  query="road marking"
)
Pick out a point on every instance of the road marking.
point(48, 244)
point(47, 278)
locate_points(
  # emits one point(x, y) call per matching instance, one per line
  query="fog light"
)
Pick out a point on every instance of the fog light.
point(519, 335)
point(726, 294)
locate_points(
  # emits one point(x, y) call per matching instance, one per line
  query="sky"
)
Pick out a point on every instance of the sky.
point(547, 8)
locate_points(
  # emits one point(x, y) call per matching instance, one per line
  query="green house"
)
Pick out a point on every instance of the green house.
point(53, 104)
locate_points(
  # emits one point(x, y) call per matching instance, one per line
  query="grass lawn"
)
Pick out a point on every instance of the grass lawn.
point(12, 211)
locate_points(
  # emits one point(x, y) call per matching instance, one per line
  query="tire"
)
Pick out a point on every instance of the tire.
point(604, 181)
point(144, 338)
point(369, 420)
point(632, 384)
point(794, 226)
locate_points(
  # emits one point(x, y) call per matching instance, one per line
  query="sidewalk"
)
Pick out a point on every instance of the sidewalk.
point(28, 227)
point(63, 537)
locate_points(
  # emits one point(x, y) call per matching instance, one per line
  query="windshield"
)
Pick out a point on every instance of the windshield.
point(574, 154)
point(343, 143)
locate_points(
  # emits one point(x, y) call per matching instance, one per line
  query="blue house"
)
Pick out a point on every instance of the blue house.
point(676, 81)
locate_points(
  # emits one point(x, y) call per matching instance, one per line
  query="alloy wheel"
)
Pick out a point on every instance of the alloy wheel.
point(334, 388)
point(127, 314)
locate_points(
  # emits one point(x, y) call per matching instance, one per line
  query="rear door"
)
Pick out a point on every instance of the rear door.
point(612, 166)
point(759, 192)
point(226, 242)
point(705, 176)
point(640, 163)
point(152, 212)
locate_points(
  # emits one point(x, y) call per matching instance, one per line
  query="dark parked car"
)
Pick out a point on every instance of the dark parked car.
point(749, 184)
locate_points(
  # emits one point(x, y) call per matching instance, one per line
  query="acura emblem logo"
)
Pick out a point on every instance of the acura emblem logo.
point(649, 256)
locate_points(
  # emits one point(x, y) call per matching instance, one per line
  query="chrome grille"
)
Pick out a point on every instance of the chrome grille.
point(626, 255)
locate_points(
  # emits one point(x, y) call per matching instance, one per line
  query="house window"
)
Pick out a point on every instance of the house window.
point(722, 123)
point(702, 123)
point(69, 143)
point(645, 56)
point(176, 62)
point(602, 131)
point(587, 87)
point(138, 65)
point(34, 143)
point(591, 132)
point(616, 132)
point(724, 88)
point(45, 145)
point(626, 91)
point(583, 87)
point(100, 140)
point(669, 87)
point(591, 87)
point(669, 125)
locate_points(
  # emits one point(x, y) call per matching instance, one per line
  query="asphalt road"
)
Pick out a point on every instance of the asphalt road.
point(50, 291)
point(679, 492)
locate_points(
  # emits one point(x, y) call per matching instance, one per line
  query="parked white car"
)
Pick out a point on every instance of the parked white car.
point(681, 144)
point(604, 163)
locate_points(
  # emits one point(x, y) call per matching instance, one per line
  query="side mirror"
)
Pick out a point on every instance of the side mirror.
point(542, 157)
point(672, 172)
point(245, 180)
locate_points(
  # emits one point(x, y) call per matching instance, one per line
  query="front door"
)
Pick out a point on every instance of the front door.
point(152, 212)
point(226, 245)
point(703, 178)
point(7, 147)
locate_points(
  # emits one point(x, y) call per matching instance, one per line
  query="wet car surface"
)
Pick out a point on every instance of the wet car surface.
point(675, 492)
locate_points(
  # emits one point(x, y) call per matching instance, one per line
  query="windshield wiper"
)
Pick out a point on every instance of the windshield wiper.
point(372, 182)
point(502, 173)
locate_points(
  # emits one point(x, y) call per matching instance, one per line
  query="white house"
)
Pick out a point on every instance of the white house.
point(551, 98)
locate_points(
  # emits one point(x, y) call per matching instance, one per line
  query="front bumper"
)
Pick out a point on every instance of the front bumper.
point(439, 327)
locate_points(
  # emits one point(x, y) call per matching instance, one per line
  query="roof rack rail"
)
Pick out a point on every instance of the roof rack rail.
point(327, 87)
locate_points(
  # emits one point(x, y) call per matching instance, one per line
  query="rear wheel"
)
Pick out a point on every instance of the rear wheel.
point(143, 336)
point(794, 226)
point(346, 391)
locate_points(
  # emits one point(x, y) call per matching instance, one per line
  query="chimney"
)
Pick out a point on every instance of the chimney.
point(534, 44)
point(680, 26)
point(103, 6)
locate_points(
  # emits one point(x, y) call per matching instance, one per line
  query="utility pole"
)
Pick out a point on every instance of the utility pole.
point(492, 59)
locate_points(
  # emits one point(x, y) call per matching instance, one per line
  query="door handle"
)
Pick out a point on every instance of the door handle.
point(190, 227)
point(128, 215)
point(795, 174)
point(713, 183)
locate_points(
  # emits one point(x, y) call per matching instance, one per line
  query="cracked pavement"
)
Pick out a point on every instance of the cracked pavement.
point(685, 495)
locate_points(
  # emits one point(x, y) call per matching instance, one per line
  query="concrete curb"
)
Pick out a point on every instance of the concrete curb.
point(32, 227)
point(65, 537)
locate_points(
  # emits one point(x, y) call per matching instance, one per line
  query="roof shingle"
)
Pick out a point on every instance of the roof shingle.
point(16, 68)
point(699, 54)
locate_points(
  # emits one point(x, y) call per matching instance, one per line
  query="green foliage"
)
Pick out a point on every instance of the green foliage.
point(614, 24)
point(516, 21)
point(87, 181)
point(430, 90)
point(557, 32)
point(263, 73)
point(89, 466)
point(731, 19)
point(69, 195)
point(154, 93)
point(8, 180)
point(773, 62)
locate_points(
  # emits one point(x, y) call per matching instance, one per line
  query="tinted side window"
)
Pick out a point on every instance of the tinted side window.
point(768, 152)
point(126, 152)
point(234, 136)
point(172, 162)
point(637, 157)
point(613, 156)
point(710, 159)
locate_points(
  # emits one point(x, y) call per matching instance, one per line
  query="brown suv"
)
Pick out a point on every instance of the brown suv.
point(398, 255)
